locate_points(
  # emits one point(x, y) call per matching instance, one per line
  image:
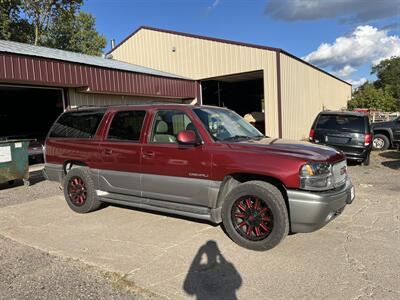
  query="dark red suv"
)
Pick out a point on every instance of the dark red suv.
point(197, 161)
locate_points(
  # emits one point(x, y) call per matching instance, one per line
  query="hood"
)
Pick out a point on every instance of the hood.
point(295, 149)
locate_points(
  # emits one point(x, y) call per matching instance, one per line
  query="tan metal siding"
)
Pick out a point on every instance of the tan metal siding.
point(77, 98)
point(305, 92)
point(198, 59)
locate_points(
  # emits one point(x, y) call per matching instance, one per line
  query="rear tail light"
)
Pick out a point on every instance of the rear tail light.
point(311, 135)
point(367, 139)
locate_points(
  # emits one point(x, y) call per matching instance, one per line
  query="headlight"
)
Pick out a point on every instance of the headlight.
point(316, 177)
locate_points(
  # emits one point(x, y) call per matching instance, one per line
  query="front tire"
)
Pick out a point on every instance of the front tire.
point(380, 142)
point(255, 216)
point(79, 191)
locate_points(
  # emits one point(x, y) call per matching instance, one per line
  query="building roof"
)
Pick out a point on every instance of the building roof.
point(26, 64)
point(38, 51)
point(278, 50)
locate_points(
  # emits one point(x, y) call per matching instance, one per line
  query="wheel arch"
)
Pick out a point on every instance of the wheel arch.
point(385, 132)
point(69, 164)
point(233, 180)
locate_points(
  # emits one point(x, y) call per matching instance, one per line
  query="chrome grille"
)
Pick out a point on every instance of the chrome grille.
point(339, 172)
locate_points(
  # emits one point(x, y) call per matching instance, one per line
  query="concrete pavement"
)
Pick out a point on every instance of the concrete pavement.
point(355, 257)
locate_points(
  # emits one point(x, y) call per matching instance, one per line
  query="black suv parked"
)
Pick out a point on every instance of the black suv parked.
point(346, 131)
point(386, 134)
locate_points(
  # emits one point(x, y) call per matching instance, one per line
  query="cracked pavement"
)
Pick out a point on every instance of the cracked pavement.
point(354, 257)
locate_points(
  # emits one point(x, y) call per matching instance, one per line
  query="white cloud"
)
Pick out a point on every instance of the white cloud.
point(345, 71)
point(358, 82)
point(213, 5)
point(350, 11)
point(366, 45)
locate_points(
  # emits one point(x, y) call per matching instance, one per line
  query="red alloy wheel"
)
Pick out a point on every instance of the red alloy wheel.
point(77, 191)
point(252, 218)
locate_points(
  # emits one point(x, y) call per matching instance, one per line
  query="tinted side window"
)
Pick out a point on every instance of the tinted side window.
point(341, 123)
point(126, 126)
point(77, 124)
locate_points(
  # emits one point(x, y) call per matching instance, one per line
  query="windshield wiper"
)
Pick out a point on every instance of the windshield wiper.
point(238, 137)
point(259, 137)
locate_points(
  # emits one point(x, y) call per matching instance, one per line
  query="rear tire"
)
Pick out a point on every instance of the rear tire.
point(79, 191)
point(380, 142)
point(255, 216)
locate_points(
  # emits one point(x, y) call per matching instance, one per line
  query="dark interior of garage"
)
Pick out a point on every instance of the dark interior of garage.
point(28, 113)
point(242, 93)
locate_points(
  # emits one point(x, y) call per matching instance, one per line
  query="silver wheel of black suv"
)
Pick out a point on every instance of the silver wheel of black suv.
point(255, 216)
point(380, 142)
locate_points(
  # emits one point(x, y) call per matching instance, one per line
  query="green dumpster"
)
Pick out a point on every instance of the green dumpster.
point(14, 163)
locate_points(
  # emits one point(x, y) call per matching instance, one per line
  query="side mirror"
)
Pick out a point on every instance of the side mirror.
point(187, 137)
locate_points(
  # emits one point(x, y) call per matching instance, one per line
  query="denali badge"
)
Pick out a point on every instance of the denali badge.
point(198, 175)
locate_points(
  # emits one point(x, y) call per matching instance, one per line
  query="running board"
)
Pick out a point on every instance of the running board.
point(202, 213)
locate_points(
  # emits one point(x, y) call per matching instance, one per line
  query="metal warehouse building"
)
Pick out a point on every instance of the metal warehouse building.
point(243, 77)
point(38, 83)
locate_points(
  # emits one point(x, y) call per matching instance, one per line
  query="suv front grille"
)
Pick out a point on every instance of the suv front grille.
point(339, 172)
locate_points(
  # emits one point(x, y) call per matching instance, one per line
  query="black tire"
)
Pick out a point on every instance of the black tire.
point(90, 202)
point(271, 198)
point(366, 160)
point(380, 142)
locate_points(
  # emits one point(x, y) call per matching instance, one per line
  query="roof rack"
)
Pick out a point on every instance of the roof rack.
point(85, 106)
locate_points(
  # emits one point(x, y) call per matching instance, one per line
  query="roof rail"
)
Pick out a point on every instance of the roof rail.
point(86, 106)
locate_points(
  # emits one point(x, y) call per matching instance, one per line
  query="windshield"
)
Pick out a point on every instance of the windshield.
point(225, 125)
point(341, 123)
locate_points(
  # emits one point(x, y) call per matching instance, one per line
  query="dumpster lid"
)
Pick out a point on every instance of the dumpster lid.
point(5, 141)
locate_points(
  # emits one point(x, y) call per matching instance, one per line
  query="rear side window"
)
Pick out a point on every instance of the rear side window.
point(341, 123)
point(126, 126)
point(77, 124)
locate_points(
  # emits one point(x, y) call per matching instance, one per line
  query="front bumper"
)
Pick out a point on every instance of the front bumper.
point(310, 211)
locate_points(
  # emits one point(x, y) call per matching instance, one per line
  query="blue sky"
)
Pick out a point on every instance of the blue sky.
point(356, 33)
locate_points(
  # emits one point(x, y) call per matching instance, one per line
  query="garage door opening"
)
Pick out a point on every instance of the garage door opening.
point(242, 93)
point(28, 113)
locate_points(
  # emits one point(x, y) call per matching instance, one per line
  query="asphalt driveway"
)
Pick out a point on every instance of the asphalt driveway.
point(355, 257)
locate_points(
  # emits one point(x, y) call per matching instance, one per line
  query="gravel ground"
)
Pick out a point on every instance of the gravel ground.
point(28, 273)
point(18, 193)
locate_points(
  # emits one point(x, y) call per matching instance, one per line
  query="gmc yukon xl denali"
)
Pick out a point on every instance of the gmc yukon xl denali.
point(197, 161)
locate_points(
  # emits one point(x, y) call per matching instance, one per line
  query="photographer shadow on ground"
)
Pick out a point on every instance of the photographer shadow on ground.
point(210, 276)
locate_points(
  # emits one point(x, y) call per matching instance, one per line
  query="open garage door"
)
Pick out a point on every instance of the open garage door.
point(29, 112)
point(243, 93)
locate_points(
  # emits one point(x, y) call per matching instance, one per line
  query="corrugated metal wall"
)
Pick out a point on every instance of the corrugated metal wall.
point(76, 98)
point(42, 71)
point(305, 92)
point(198, 59)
